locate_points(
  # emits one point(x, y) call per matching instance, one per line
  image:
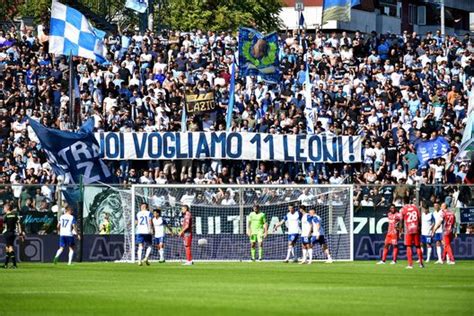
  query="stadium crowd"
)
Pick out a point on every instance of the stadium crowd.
point(395, 90)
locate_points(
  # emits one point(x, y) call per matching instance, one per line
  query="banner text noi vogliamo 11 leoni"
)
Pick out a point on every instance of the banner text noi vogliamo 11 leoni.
point(230, 145)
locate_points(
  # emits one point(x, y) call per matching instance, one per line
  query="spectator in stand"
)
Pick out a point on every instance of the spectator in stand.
point(393, 90)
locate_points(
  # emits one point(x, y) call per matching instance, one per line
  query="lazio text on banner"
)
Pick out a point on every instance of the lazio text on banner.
point(200, 103)
point(236, 146)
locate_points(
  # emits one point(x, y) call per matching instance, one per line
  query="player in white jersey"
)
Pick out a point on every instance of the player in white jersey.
point(143, 231)
point(318, 235)
point(306, 226)
point(159, 224)
point(67, 230)
point(438, 236)
point(292, 223)
point(427, 223)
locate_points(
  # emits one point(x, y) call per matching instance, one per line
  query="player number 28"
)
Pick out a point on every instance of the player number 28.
point(412, 217)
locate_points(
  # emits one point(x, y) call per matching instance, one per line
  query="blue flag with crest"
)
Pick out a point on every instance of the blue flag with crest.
point(258, 54)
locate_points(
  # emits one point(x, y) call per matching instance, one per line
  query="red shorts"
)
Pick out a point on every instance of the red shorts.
point(187, 239)
point(412, 240)
point(448, 239)
point(391, 239)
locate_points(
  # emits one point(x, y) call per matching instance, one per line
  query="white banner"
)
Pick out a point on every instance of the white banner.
point(236, 146)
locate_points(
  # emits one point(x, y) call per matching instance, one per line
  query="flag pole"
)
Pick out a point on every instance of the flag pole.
point(71, 91)
point(230, 107)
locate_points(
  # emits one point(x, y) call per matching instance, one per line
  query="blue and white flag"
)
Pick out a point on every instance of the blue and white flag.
point(137, 5)
point(230, 107)
point(72, 34)
point(73, 156)
point(301, 21)
point(432, 149)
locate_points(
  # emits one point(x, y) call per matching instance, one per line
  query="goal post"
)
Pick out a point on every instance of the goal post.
point(220, 215)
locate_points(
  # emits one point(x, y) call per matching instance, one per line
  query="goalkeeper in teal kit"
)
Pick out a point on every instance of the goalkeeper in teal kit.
point(257, 230)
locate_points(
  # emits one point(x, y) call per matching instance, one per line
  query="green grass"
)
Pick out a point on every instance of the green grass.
point(237, 289)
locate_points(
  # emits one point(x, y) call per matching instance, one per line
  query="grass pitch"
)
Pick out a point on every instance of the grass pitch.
point(356, 288)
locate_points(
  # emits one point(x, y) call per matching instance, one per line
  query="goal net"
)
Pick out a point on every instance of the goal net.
point(220, 214)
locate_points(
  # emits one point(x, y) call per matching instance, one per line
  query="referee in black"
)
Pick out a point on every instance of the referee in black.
point(12, 223)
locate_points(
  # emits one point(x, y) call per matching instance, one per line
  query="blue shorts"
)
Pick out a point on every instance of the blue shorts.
point(438, 237)
point(306, 240)
point(159, 240)
point(293, 237)
point(143, 239)
point(426, 240)
point(321, 240)
point(66, 241)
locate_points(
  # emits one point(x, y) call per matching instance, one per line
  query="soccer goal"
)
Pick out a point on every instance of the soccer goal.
point(220, 215)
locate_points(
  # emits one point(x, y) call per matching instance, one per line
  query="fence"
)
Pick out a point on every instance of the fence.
point(40, 206)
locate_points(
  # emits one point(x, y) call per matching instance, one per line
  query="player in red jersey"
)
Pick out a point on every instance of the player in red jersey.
point(449, 219)
point(412, 219)
point(186, 233)
point(392, 236)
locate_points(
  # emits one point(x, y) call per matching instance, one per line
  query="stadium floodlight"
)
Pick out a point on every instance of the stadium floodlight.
point(220, 214)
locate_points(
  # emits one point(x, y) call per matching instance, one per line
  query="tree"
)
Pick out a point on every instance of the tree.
point(222, 15)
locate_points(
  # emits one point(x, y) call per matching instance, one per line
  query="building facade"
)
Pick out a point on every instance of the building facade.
point(382, 16)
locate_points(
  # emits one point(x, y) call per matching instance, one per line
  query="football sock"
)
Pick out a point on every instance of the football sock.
point(59, 252)
point(310, 254)
point(13, 257)
point(189, 256)
point(71, 254)
point(428, 254)
point(162, 254)
point(395, 253)
point(384, 254)
point(445, 251)
point(438, 252)
point(147, 253)
point(420, 254)
point(410, 256)
point(450, 252)
point(252, 253)
point(288, 255)
point(7, 258)
point(260, 253)
point(293, 252)
point(139, 253)
point(305, 254)
point(328, 254)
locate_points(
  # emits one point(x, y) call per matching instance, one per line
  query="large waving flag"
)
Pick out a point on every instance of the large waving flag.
point(72, 34)
point(339, 10)
point(74, 156)
point(137, 5)
point(258, 54)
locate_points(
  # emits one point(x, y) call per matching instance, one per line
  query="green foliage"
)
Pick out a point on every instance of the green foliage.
point(38, 9)
point(223, 15)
